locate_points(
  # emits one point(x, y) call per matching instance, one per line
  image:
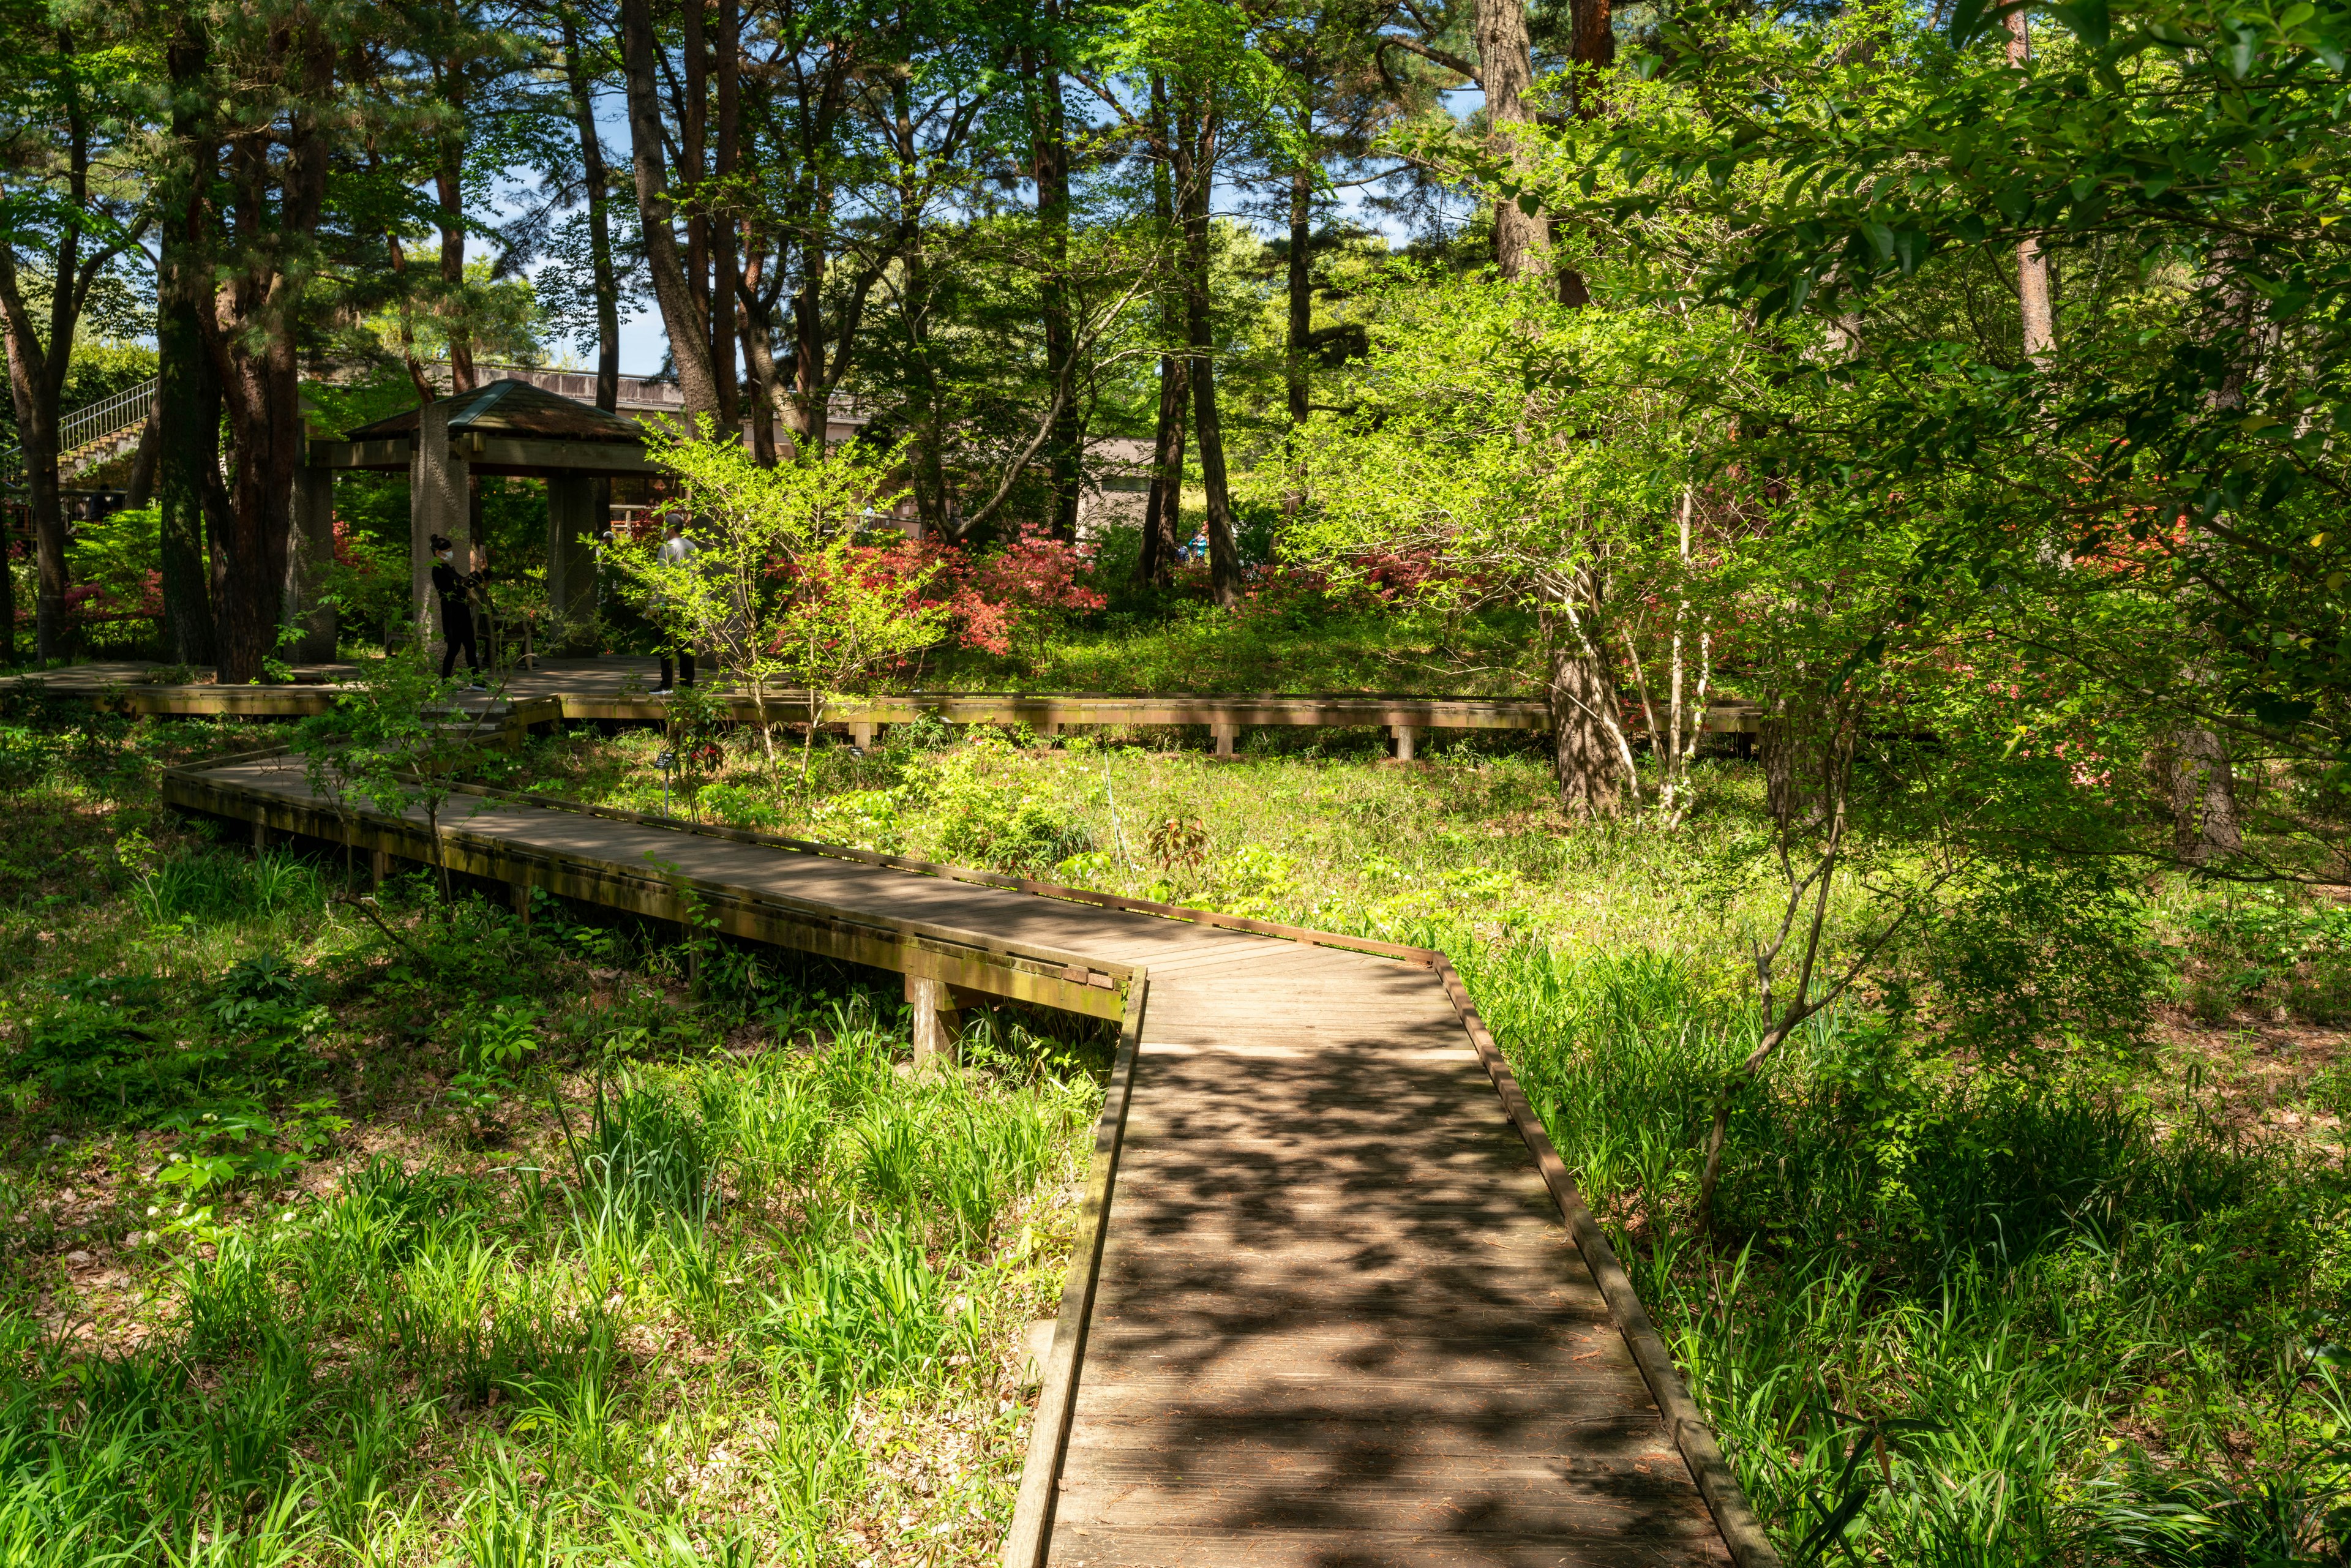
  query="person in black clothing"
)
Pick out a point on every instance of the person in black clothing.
point(455, 588)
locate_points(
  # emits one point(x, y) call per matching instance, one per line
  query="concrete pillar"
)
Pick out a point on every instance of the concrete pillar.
point(379, 867)
point(939, 1027)
point(1225, 734)
point(861, 734)
point(572, 526)
point(437, 503)
point(519, 892)
point(310, 551)
point(1403, 734)
point(260, 836)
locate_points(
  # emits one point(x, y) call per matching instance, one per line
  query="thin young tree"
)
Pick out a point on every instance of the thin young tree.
point(772, 586)
point(68, 220)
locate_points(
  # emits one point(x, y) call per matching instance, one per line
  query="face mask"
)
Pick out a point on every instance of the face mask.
point(444, 555)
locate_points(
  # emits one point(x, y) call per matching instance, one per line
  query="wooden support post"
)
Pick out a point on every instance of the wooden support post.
point(379, 867)
point(861, 734)
point(937, 1025)
point(519, 892)
point(1225, 734)
point(1403, 734)
point(310, 551)
point(437, 503)
point(260, 837)
point(572, 526)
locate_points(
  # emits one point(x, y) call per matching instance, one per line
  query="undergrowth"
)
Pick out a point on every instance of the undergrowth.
point(458, 1239)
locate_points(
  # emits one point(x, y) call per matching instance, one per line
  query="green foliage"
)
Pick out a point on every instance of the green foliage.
point(776, 586)
point(985, 820)
point(2043, 962)
point(1970, 1267)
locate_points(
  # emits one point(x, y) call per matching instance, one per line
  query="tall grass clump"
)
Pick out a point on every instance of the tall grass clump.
point(1953, 1313)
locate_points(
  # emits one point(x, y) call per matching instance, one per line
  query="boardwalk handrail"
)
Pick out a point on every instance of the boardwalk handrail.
point(1028, 1536)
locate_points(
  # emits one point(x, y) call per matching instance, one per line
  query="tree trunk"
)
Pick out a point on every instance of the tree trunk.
point(449, 186)
point(1196, 145)
point(45, 503)
point(1505, 69)
point(597, 180)
point(680, 315)
point(37, 362)
point(1301, 292)
point(755, 298)
point(1302, 323)
point(1163, 512)
point(2033, 306)
point(187, 394)
point(1049, 159)
point(251, 338)
point(1585, 752)
point(2203, 799)
point(138, 489)
point(725, 266)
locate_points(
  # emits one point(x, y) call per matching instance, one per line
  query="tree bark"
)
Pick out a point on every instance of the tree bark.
point(250, 336)
point(187, 394)
point(1197, 150)
point(1585, 755)
point(2203, 791)
point(725, 266)
point(1301, 282)
point(1050, 165)
point(33, 395)
point(597, 180)
point(1505, 69)
point(2033, 307)
point(1163, 512)
point(681, 317)
point(37, 362)
point(449, 189)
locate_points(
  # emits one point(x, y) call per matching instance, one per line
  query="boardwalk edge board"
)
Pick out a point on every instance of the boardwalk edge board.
point(1029, 1540)
point(1028, 972)
point(1742, 1531)
point(1223, 711)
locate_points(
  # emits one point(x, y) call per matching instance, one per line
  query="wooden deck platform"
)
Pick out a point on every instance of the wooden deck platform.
point(1322, 1311)
point(617, 689)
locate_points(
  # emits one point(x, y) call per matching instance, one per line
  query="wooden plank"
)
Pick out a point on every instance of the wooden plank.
point(1030, 1536)
point(1151, 1546)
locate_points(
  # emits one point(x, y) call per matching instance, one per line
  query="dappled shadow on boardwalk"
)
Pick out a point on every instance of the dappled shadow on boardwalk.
point(1340, 1321)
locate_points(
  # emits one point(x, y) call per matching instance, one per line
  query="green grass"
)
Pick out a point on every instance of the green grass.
point(507, 1247)
point(2093, 1312)
point(581, 1256)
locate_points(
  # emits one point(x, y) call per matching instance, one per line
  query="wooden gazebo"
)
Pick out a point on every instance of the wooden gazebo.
point(503, 427)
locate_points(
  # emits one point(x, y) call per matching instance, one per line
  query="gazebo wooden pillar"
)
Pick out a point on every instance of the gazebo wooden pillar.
point(507, 428)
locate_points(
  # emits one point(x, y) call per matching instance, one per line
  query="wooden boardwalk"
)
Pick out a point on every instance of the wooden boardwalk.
point(617, 690)
point(1336, 1320)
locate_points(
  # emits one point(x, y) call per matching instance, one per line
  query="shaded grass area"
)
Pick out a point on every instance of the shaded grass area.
point(1963, 1317)
point(495, 1247)
point(1955, 1315)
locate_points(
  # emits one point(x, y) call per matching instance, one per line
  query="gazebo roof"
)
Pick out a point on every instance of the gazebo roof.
point(514, 408)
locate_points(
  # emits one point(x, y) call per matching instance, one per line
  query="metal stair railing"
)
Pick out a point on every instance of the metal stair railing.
point(102, 422)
